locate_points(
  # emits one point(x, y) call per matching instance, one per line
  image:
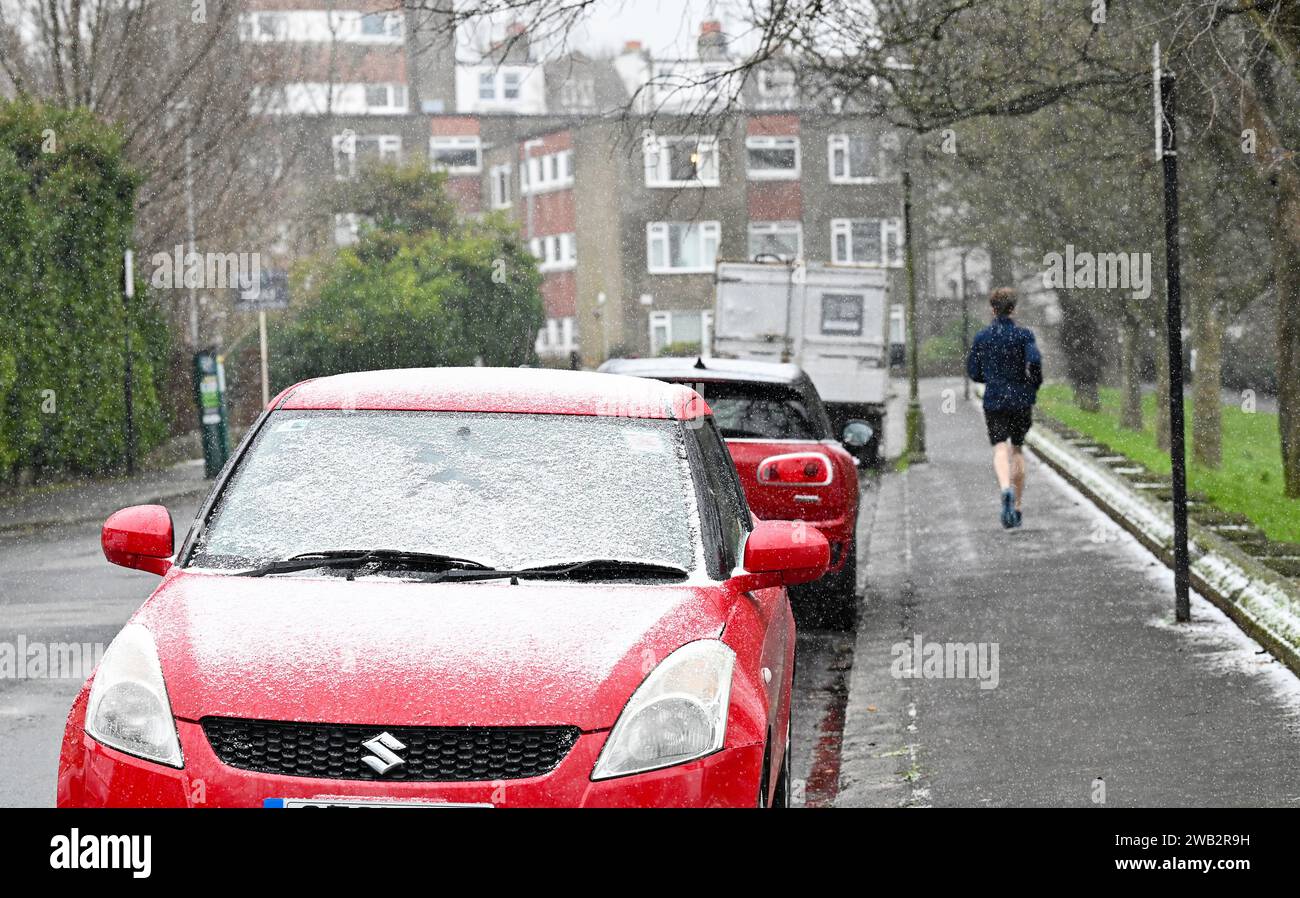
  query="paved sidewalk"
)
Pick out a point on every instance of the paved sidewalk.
point(94, 500)
point(1095, 683)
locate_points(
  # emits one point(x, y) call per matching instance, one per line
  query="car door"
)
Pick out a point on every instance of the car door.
point(761, 628)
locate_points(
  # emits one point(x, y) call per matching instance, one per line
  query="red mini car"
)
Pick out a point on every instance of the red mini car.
point(790, 464)
point(454, 587)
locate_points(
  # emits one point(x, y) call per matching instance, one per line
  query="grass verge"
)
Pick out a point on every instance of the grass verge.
point(1249, 481)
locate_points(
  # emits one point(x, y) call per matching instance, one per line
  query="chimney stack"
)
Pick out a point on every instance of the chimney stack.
point(712, 43)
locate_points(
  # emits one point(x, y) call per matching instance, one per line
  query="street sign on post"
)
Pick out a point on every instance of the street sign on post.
point(1167, 152)
point(271, 292)
point(128, 291)
point(209, 395)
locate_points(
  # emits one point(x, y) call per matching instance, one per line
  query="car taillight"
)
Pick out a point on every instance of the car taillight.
point(795, 469)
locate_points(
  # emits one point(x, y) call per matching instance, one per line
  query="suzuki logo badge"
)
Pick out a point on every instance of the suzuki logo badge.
point(383, 759)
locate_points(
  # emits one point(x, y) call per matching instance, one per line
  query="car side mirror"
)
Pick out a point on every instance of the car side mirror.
point(139, 537)
point(784, 553)
point(857, 434)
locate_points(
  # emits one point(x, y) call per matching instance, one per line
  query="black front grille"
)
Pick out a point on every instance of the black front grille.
point(430, 754)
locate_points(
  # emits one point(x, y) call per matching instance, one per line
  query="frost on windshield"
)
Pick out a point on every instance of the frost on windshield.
point(504, 490)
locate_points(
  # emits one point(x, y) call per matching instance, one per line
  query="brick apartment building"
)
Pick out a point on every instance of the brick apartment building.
point(624, 194)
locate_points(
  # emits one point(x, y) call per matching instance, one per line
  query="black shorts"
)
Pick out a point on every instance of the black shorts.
point(1011, 425)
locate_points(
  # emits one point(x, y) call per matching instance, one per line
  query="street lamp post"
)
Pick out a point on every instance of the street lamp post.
point(965, 328)
point(915, 417)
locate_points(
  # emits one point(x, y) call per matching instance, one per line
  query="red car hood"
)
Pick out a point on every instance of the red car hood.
point(386, 652)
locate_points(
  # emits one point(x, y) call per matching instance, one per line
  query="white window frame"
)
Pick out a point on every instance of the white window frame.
point(391, 26)
point(658, 161)
point(664, 320)
point(839, 143)
point(546, 172)
point(555, 252)
point(500, 180)
point(660, 233)
point(578, 94)
point(773, 174)
point(889, 228)
point(775, 227)
point(345, 148)
point(456, 143)
point(558, 338)
point(396, 98)
point(778, 90)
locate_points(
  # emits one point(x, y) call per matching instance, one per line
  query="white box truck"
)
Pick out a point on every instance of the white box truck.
point(832, 321)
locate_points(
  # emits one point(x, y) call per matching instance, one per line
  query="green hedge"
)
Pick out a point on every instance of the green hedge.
point(66, 209)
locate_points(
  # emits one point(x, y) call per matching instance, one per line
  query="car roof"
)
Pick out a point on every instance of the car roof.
point(509, 390)
point(696, 369)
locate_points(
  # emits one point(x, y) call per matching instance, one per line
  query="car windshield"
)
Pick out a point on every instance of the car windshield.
point(762, 411)
point(508, 491)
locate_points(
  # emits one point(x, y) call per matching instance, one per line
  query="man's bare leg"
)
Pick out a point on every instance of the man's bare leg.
point(1002, 465)
point(1017, 471)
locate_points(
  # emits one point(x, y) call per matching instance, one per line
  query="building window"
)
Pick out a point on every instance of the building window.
point(498, 84)
point(559, 338)
point(554, 171)
point(385, 97)
point(684, 332)
point(772, 158)
point(677, 247)
point(455, 155)
point(347, 228)
point(842, 314)
point(499, 178)
point(272, 26)
point(554, 252)
point(776, 82)
point(353, 150)
point(578, 94)
point(681, 162)
point(858, 159)
point(381, 25)
point(866, 241)
point(510, 85)
point(783, 239)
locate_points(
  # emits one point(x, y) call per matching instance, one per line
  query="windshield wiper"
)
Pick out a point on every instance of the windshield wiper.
point(592, 568)
point(353, 559)
point(602, 567)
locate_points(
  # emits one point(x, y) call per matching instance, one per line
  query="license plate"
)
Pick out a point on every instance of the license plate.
point(363, 803)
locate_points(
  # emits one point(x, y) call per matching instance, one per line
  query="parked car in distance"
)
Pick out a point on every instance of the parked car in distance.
point(789, 461)
point(453, 586)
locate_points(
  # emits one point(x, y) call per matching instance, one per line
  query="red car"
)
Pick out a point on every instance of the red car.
point(790, 464)
point(454, 587)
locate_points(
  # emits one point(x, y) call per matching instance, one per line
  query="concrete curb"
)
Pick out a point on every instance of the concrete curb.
point(1257, 599)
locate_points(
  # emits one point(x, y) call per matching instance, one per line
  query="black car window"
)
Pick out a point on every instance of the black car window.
point(730, 512)
point(764, 411)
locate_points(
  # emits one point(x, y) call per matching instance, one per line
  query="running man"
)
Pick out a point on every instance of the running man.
point(1005, 358)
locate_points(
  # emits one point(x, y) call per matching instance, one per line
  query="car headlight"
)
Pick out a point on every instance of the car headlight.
point(128, 708)
point(677, 714)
